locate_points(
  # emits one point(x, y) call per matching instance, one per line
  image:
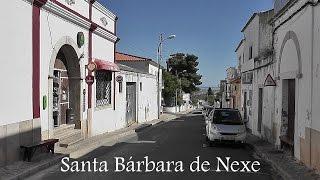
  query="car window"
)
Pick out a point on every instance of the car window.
point(227, 117)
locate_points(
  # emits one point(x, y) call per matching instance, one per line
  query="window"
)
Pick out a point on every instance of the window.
point(120, 87)
point(140, 86)
point(250, 52)
point(227, 117)
point(103, 88)
point(243, 57)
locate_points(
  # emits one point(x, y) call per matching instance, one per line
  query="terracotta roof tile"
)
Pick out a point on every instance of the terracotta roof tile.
point(128, 57)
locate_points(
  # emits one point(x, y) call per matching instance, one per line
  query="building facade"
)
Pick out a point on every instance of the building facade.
point(136, 92)
point(66, 78)
point(281, 49)
point(145, 65)
point(297, 43)
point(255, 57)
point(49, 84)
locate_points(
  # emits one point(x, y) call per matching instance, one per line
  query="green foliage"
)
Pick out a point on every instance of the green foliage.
point(185, 68)
point(211, 99)
point(170, 86)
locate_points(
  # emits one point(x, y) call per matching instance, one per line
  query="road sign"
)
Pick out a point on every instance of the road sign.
point(119, 78)
point(269, 81)
point(90, 79)
point(92, 66)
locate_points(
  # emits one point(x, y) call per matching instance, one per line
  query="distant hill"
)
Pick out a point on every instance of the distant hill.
point(204, 90)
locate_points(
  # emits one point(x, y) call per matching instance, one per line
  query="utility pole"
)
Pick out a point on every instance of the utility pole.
point(159, 59)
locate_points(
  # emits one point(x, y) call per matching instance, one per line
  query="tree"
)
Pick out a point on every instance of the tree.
point(211, 99)
point(210, 91)
point(184, 67)
point(170, 86)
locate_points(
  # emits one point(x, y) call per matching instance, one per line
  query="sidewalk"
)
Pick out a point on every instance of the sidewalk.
point(287, 166)
point(22, 169)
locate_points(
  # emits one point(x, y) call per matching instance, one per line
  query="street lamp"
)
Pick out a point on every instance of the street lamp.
point(159, 58)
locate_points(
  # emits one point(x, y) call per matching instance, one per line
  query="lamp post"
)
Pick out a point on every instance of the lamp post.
point(179, 79)
point(159, 58)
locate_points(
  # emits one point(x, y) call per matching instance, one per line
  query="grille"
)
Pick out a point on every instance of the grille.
point(103, 88)
point(229, 134)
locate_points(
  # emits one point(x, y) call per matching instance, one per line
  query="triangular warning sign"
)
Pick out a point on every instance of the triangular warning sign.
point(269, 81)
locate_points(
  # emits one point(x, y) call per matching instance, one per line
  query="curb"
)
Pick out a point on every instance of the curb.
point(116, 138)
point(39, 167)
point(142, 127)
point(280, 170)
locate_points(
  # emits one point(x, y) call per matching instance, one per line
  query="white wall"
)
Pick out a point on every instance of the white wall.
point(148, 109)
point(80, 6)
point(102, 48)
point(315, 124)
point(251, 35)
point(98, 12)
point(301, 25)
point(104, 118)
point(16, 73)
point(53, 31)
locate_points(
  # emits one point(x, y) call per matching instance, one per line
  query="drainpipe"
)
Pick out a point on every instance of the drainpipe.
point(137, 98)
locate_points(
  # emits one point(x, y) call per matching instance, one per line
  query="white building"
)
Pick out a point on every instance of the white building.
point(139, 78)
point(257, 43)
point(255, 59)
point(136, 93)
point(246, 66)
point(297, 53)
point(49, 44)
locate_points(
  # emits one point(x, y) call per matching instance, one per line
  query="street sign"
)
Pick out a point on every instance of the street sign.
point(269, 81)
point(92, 66)
point(119, 78)
point(90, 79)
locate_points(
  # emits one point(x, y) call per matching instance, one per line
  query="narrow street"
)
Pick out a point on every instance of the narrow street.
point(180, 139)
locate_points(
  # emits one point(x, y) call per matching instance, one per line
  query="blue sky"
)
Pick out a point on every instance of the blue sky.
point(210, 29)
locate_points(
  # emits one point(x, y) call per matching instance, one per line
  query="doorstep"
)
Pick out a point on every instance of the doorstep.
point(287, 166)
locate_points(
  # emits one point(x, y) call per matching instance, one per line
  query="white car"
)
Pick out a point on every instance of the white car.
point(225, 125)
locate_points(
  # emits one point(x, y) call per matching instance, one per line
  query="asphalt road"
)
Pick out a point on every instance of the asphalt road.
point(182, 140)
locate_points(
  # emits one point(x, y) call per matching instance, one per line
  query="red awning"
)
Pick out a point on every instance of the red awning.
point(106, 65)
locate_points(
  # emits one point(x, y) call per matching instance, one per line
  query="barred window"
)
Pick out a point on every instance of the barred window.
point(103, 87)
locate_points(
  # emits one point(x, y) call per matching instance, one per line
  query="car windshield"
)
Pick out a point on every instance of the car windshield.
point(228, 117)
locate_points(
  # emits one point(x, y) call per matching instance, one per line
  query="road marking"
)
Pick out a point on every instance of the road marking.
point(142, 142)
point(177, 120)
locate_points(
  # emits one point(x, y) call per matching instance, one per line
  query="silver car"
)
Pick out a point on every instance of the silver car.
point(225, 125)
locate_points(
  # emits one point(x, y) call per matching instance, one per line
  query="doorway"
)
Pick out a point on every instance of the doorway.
point(245, 106)
point(131, 103)
point(288, 114)
point(291, 108)
point(260, 109)
point(66, 88)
